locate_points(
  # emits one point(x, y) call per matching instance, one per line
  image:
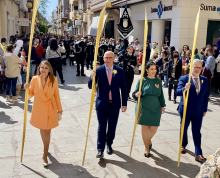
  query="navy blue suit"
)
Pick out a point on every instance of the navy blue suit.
point(197, 105)
point(108, 112)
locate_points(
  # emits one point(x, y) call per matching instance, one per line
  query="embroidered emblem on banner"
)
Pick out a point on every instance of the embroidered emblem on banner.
point(125, 27)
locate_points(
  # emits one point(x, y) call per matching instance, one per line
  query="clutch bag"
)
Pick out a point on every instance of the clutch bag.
point(59, 117)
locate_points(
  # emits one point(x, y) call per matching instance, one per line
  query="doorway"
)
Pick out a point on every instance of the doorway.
point(213, 32)
point(109, 29)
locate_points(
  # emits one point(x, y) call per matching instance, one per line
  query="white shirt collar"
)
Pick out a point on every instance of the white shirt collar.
point(108, 68)
point(195, 77)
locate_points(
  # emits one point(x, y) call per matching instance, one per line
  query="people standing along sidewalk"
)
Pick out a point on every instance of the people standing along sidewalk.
point(210, 64)
point(129, 62)
point(174, 73)
point(53, 55)
point(40, 51)
point(47, 109)
point(12, 71)
point(218, 74)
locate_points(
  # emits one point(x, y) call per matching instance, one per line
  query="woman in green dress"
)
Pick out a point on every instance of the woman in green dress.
point(152, 105)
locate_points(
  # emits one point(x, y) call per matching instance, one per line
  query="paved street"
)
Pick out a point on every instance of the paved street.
point(68, 140)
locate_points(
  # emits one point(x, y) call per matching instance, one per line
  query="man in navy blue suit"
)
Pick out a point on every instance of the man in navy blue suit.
point(110, 79)
point(196, 108)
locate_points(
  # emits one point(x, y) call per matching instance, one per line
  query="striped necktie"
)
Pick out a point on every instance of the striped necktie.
point(196, 85)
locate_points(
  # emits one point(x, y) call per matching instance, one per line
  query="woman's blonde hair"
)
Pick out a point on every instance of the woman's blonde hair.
point(50, 74)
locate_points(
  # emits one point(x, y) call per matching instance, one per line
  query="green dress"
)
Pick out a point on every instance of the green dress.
point(152, 100)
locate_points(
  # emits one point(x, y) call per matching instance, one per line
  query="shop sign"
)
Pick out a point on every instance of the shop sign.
point(24, 22)
point(161, 8)
point(209, 8)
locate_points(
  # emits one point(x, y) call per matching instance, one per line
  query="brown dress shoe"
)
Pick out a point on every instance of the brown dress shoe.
point(183, 150)
point(200, 159)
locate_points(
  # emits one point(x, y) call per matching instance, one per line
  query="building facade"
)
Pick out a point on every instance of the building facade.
point(172, 18)
point(13, 18)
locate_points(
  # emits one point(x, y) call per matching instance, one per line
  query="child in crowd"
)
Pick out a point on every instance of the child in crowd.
point(2, 77)
point(165, 69)
point(71, 56)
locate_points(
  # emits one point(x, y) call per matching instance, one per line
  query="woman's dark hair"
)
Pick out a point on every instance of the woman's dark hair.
point(10, 39)
point(187, 47)
point(196, 51)
point(3, 40)
point(53, 45)
point(155, 56)
point(176, 52)
point(13, 39)
point(130, 46)
point(149, 64)
point(9, 48)
point(172, 48)
point(165, 52)
point(166, 59)
point(203, 49)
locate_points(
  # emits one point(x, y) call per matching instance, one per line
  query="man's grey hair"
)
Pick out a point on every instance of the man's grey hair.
point(197, 61)
point(37, 40)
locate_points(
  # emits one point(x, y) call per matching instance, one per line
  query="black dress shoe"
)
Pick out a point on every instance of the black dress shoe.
point(77, 74)
point(174, 101)
point(109, 150)
point(169, 98)
point(83, 75)
point(100, 155)
point(62, 82)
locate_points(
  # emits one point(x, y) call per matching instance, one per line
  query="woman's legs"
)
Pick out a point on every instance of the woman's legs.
point(152, 131)
point(147, 134)
point(145, 137)
point(175, 88)
point(45, 135)
point(14, 82)
point(170, 87)
point(8, 85)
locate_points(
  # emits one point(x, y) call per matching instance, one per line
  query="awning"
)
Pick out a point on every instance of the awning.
point(94, 26)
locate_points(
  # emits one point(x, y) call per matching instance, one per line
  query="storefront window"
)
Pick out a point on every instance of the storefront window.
point(213, 32)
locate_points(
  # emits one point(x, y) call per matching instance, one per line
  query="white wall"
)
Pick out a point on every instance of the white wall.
point(183, 20)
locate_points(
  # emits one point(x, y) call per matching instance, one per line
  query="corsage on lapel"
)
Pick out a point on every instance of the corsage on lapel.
point(115, 72)
point(157, 85)
point(201, 81)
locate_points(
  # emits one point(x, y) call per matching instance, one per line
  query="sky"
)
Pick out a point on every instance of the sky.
point(51, 6)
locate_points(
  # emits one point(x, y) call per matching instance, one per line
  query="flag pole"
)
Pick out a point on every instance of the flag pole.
point(35, 9)
point(186, 92)
point(100, 27)
point(141, 80)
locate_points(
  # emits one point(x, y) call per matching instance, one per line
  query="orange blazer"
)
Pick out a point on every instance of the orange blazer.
point(46, 103)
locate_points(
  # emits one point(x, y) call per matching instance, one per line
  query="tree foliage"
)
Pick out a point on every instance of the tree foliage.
point(42, 11)
point(43, 27)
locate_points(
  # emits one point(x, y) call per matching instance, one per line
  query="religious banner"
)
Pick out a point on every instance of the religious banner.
point(125, 27)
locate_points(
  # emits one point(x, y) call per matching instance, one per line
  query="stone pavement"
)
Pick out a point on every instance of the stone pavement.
point(68, 140)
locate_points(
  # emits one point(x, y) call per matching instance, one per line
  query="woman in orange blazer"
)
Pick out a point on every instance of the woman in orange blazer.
point(47, 105)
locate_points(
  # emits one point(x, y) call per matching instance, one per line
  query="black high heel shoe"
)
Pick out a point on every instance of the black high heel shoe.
point(147, 155)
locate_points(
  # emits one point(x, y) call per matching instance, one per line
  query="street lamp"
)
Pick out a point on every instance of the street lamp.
point(29, 5)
